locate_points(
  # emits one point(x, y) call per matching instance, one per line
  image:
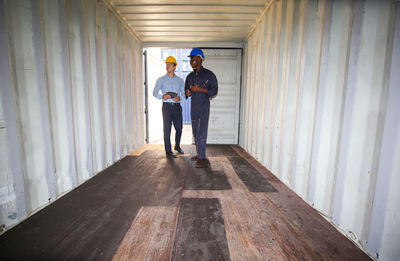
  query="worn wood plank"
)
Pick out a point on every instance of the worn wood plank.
point(220, 150)
point(200, 233)
point(206, 179)
point(254, 181)
point(150, 236)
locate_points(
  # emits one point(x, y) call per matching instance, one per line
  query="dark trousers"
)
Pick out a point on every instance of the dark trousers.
point(200, 128)
point(172, 113)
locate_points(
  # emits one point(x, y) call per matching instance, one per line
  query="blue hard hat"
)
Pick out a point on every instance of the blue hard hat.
point(197, 52)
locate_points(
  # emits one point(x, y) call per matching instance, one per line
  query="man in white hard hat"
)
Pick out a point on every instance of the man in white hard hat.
point(172, 89)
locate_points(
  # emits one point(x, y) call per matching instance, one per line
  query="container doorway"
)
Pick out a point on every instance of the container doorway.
point(224, 112)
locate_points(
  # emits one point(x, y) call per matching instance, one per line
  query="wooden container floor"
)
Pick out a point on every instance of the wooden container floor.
point(149, 207)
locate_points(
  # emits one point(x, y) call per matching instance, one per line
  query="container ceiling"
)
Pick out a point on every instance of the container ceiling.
point(190, 21)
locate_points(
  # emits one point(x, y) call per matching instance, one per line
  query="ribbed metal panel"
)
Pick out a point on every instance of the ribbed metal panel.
point(319, 111)
point(71, 99)
point(223, 127)
point(189, 20)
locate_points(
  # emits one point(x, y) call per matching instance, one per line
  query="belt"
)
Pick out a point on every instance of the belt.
point(171, 103)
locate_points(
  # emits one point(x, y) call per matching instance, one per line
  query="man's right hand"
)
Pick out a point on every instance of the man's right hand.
point(166, 96)
point(188, 93)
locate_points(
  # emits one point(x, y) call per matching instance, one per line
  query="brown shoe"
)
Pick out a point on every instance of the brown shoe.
point(201, 163)
point(193, 158)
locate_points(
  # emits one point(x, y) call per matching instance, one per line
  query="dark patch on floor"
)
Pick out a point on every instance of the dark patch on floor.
point(220, 151)
point(90, 222)
point(254, 181)
point(200, 232)
point(206, 179)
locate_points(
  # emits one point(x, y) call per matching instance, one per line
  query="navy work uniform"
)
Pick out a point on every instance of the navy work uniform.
point(171, 110)
point(200, 106)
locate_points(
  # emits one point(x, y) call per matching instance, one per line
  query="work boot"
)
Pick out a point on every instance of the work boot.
point(201, 163)
point(170, 155)
point(179, 150)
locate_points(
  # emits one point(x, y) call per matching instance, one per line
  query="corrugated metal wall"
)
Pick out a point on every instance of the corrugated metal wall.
point(320, 109)
point(71, 99)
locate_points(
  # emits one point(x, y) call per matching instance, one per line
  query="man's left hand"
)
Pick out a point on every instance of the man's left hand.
point(196, 88)
point(177, 98)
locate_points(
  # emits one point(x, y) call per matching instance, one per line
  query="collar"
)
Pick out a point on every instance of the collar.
point(201, 69)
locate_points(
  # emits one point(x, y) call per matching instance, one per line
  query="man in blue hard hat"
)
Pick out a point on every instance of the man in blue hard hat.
point(202, 85)
point(172, 89)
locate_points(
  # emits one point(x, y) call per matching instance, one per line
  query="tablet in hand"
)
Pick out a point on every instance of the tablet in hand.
point(172, 94)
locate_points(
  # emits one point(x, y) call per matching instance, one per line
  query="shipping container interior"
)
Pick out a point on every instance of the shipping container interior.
point(309, 96)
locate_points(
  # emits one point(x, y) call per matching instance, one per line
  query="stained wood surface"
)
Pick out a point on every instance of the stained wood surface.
point(200, 233)
point(149, 207)
point(206, 179)
point(151, 235)
point(254, 181)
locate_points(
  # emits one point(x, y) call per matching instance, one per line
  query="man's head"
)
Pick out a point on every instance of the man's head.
point(196, 57)
point(170, 64)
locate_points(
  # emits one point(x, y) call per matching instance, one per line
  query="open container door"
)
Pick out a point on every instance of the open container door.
point(223, 127)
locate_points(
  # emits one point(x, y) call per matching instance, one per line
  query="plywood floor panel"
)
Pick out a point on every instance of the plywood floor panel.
point(130, 211)
point(150, 236)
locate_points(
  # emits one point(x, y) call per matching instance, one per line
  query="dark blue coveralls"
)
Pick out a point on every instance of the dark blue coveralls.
point(200, 107)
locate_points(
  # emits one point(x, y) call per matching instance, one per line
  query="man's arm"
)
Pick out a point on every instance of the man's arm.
point(187, 88)
point(181, 91)
point(196, 88)
point(156, 90)
point(213, 86)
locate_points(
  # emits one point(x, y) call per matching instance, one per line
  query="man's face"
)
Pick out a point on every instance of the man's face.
point(170, 67)
point(195, 61)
